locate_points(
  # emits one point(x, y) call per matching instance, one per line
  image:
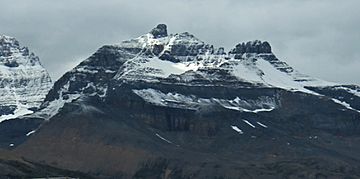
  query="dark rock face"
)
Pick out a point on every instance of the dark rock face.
point(193, 50)
point(5, 110)
point(341, 93)
point(200, 144)
point(220, 51)
point(168, 57)
point(252, 47)
point(98, 70)
point(14, 131)
point(11, 63)
point(159, 31)
point(157, 49)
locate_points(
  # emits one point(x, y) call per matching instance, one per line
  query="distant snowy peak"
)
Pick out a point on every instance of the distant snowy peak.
point(23, 81)
point(14, 55)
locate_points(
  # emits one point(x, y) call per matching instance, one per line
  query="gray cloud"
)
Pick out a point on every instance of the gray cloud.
point(317, 37)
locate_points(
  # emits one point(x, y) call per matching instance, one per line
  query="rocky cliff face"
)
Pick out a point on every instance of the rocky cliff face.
point(23, 81)
point(177, 107)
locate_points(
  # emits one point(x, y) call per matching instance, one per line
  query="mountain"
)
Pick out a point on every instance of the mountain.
point(172, 106)
point(157, 57)
point(24, 83)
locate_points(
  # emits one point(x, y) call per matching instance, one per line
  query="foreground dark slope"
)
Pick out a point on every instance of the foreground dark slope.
point(125, 116)
point(13, 166)
point(120, 140)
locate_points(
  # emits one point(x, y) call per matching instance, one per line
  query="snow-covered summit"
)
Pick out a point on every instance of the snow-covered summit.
point(161, 57)
point(23, 80)
point(181, 45)
point(14, 55)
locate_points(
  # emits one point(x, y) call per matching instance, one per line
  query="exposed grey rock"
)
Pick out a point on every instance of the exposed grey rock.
point(159, 31)
point(252, 47)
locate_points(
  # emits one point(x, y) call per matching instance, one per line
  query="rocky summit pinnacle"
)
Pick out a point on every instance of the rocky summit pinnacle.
point(252, 47)
point(159, 31)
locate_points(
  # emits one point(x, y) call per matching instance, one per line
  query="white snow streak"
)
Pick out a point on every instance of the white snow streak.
point(31, 132)
point(261, 124)
point(237, 129)
point(346, 105)
point(247, 122)
point(177, 100)
point(354, 92)
point(162, 138)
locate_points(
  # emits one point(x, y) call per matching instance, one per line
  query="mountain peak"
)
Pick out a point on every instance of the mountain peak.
point(5, 37)
point(12, 54)
point(23, 79)
point(159, 31)
point(255, 46)
point(6, 40)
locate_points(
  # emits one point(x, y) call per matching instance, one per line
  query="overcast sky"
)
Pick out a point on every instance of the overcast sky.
point(317, 37)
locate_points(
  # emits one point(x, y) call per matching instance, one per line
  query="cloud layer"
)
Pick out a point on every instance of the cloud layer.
point(317, 37)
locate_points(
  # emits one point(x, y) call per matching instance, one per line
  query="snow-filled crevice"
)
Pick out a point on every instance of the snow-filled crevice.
point(345, 104)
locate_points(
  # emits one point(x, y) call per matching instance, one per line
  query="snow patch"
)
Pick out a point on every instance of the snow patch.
point(162, 138)
point(84, 70)
point(279, 79)
point(354, 92)
point(177, 100)
point(346, 105)
point(53, 107)
point(262, 125)
point(237, 129)
point(262, 104)
point(31, 132)
point(167, 68)
point(247, 122)
point(20, 111)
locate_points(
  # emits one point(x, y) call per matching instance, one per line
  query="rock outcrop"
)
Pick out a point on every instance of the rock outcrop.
point(159, 31)
point(252, 47)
